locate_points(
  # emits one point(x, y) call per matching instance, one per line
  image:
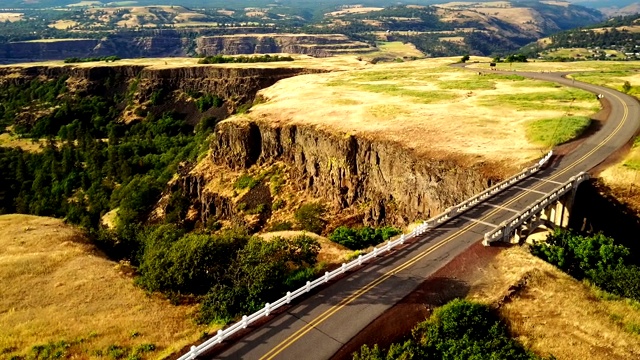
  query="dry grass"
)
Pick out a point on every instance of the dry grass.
point(57, 287)
point(7, 140)
point(563, 66)
point(406, 103)
point(11, 17)
point(330, 252)
point(63, 24)
point(555, 314)
point(334, 63)
point(353, 10)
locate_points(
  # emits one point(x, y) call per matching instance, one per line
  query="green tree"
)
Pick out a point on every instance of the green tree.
point(465, 58)
point(310, 217)
point(626, 87)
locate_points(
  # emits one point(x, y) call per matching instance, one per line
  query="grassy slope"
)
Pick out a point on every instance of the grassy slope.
point(56, 287)
point(553, 313)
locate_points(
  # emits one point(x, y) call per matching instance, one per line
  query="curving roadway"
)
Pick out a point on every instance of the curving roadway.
point(318, 326)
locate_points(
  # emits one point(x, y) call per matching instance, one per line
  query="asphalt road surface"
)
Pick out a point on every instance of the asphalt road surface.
point(318, 326)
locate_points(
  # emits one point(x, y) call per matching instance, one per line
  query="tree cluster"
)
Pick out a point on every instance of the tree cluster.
point(595, 258)
point(458, 330)
point(362, 238)
point(220, 59)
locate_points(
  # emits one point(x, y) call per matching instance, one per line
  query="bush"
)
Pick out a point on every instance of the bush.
point(282, 226)
point(259, 273)
point(458, 330)
point(208, 101)
point(309, 217)
point(357, 239)
point(189, 264)
point(595, 258)
point(245, 181)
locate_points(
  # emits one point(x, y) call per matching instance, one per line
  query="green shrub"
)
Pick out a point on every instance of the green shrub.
point(220, 59)
point(309, 217)
point(246, 181)
point(208, 101)
point(595, 258)
point(357, 239)
point(259, 273)
point(282, 226)
point(278, 204)
point(458, 330)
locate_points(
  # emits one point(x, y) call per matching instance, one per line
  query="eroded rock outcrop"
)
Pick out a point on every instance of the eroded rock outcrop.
point(314, 45)
point(350, 171)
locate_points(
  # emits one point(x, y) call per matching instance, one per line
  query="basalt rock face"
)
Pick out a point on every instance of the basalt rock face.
point(167, 43)
point(393, 183)
point(234, 85)
point(158, 43)
point(314, 45)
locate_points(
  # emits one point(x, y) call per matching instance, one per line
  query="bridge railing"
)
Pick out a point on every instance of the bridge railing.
point(506, 227)
point(246, 320)
point(475, 200)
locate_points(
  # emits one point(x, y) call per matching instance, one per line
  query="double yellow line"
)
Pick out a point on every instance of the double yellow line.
point(346, 301)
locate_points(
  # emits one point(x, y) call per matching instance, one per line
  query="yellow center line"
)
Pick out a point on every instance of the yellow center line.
point(346, 301)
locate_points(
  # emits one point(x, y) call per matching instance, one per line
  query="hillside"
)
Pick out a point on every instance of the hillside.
point(60, 293)
point(170, 30)
point(619, 34)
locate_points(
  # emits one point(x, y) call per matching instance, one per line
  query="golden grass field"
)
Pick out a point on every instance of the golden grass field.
point(56, 287)
point(427, 106)
point(556, 314)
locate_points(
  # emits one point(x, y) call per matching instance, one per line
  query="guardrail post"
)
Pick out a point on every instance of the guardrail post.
point(307, 287)
point(326, 276)
point(375, 251)
point(267, 309)
point(244, 321)
point(288, 297)
point(220, 336)
point(360, 259)
point(402, 239)
point(389, 245)
point(193, 353)
point(343, 268)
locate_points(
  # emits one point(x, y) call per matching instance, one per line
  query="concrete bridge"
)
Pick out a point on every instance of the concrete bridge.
point(550, 212)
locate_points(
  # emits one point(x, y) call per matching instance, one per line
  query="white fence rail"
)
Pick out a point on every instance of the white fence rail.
point(506, 227)
point(475, 200)
point(421, 229)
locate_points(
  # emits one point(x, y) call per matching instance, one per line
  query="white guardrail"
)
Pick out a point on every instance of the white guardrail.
point(419, 230)
point(507, 226)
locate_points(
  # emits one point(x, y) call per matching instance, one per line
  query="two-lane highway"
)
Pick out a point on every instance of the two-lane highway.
point(317, 327)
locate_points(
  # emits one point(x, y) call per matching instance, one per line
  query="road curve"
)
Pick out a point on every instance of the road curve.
point(318, 326)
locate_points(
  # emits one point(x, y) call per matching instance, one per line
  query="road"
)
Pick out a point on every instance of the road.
point(317, 327)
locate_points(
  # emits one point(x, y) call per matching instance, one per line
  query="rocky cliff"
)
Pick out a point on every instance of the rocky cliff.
point(387, 182)
point(235, 86)
point(166, 43)
point(314, 45)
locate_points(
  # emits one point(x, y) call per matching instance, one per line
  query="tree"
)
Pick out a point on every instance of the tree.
point(626, 87)
point(465, 58)
point(309, 217)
